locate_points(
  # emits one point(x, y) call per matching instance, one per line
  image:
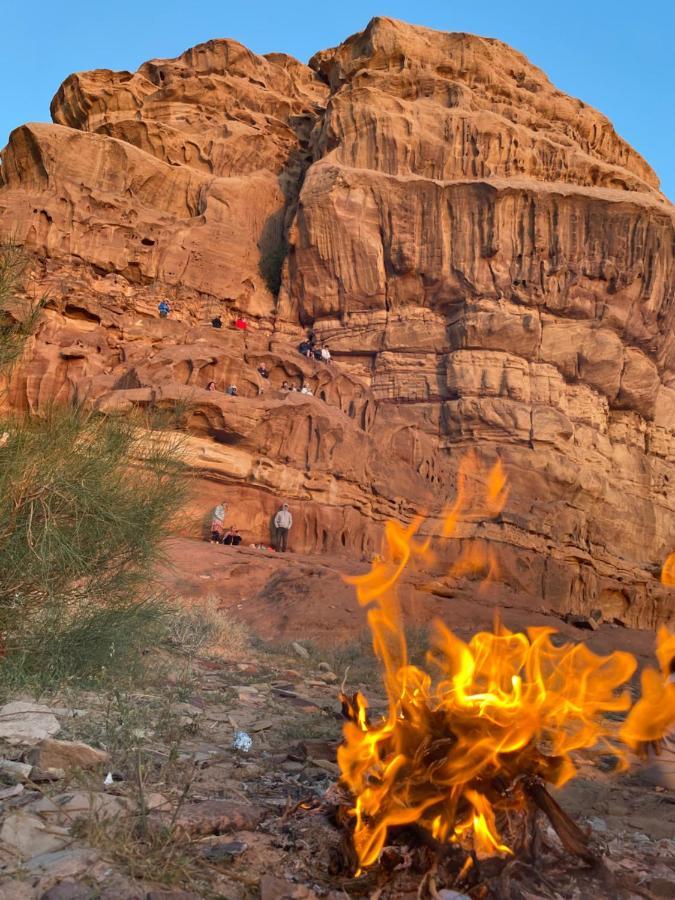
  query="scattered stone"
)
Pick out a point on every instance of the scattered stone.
point(319, 749)
point(46, 776)
point(30, 836)
point(662, 888)
point(172, 895)
point(66, 755)
point(327, 766)
point(263, 725)
point(22, 722)
point(300, 650)
point(75, 804)
point(224, 852)
point(69, 890)
point(272, 888)
point(329, 677)
point(18, 770)
point(16, 890)
point(217, 817)
point(12, 791)
point(63, 864)
point(324, 667)
point(597, 824)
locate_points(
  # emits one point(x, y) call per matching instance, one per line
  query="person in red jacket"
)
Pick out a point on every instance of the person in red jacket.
point(241, 323)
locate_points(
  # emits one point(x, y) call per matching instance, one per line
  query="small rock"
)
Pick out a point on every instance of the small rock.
point(63, 864)
point(329, 677)
point(12, 791)
point(22, 722)
point(29, 836)
point(597, 824)
point(445, 894)
point(300, 650)
point(172, 895)
point(272, 888)
point(319, 749)
point(292, 674)
point(16, 890)
point(324, 667)
point(69, 890)
point(20, 771)
point(75, 804)
point(46, 776)
point(327, 766)
point(224, 852)
point(292, 766)
point(66, 755)
point(662, 888)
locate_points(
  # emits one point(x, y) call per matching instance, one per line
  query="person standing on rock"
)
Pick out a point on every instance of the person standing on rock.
point(283, 522)
point(164, 309)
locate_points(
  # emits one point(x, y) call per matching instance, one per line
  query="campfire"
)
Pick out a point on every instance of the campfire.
point(464, 756)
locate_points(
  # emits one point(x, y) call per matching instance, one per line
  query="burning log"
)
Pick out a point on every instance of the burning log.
point(573, 839)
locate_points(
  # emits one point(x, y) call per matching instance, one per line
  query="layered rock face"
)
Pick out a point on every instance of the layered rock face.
point(490, 265)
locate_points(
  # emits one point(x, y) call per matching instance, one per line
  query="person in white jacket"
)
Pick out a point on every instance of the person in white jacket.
point(283, 522)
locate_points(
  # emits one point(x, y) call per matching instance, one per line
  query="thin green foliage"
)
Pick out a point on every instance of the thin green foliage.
point(85, 503)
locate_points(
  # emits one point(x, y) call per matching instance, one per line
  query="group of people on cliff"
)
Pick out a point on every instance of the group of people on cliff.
point(231, 536)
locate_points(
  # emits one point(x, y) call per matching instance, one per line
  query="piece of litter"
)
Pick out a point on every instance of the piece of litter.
point(108, 780)
point(242, 741)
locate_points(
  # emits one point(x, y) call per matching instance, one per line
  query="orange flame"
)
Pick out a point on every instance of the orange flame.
point(453, 750)
point(668, 571)
point(653, 715)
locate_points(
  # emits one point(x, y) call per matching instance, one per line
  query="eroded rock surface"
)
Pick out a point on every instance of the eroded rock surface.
point(489, 263)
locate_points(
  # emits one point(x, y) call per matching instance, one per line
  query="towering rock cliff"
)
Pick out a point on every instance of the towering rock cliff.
point(490, 265)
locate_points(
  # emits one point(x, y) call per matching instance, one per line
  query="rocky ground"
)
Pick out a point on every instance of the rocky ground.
point(215, 779)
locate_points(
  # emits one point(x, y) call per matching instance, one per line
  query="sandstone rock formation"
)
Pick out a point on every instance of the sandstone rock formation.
point(490, 264)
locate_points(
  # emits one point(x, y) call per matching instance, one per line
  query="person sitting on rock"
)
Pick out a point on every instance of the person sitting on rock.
point(211, 386)
point(217, 322)
point(232, 537)
point(316, 352)
point(305, 348)
point(164, 309)
point(306, 390)
point(232, 391)
point(218, 522)
point(285, 387)
point(262, 371)
point(241, 323)
point(325, 354)
point(283, 522)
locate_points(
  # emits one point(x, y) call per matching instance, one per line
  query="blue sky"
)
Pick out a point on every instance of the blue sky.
point(617, 56)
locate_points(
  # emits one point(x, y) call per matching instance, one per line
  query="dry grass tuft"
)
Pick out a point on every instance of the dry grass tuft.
point(203, 627)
